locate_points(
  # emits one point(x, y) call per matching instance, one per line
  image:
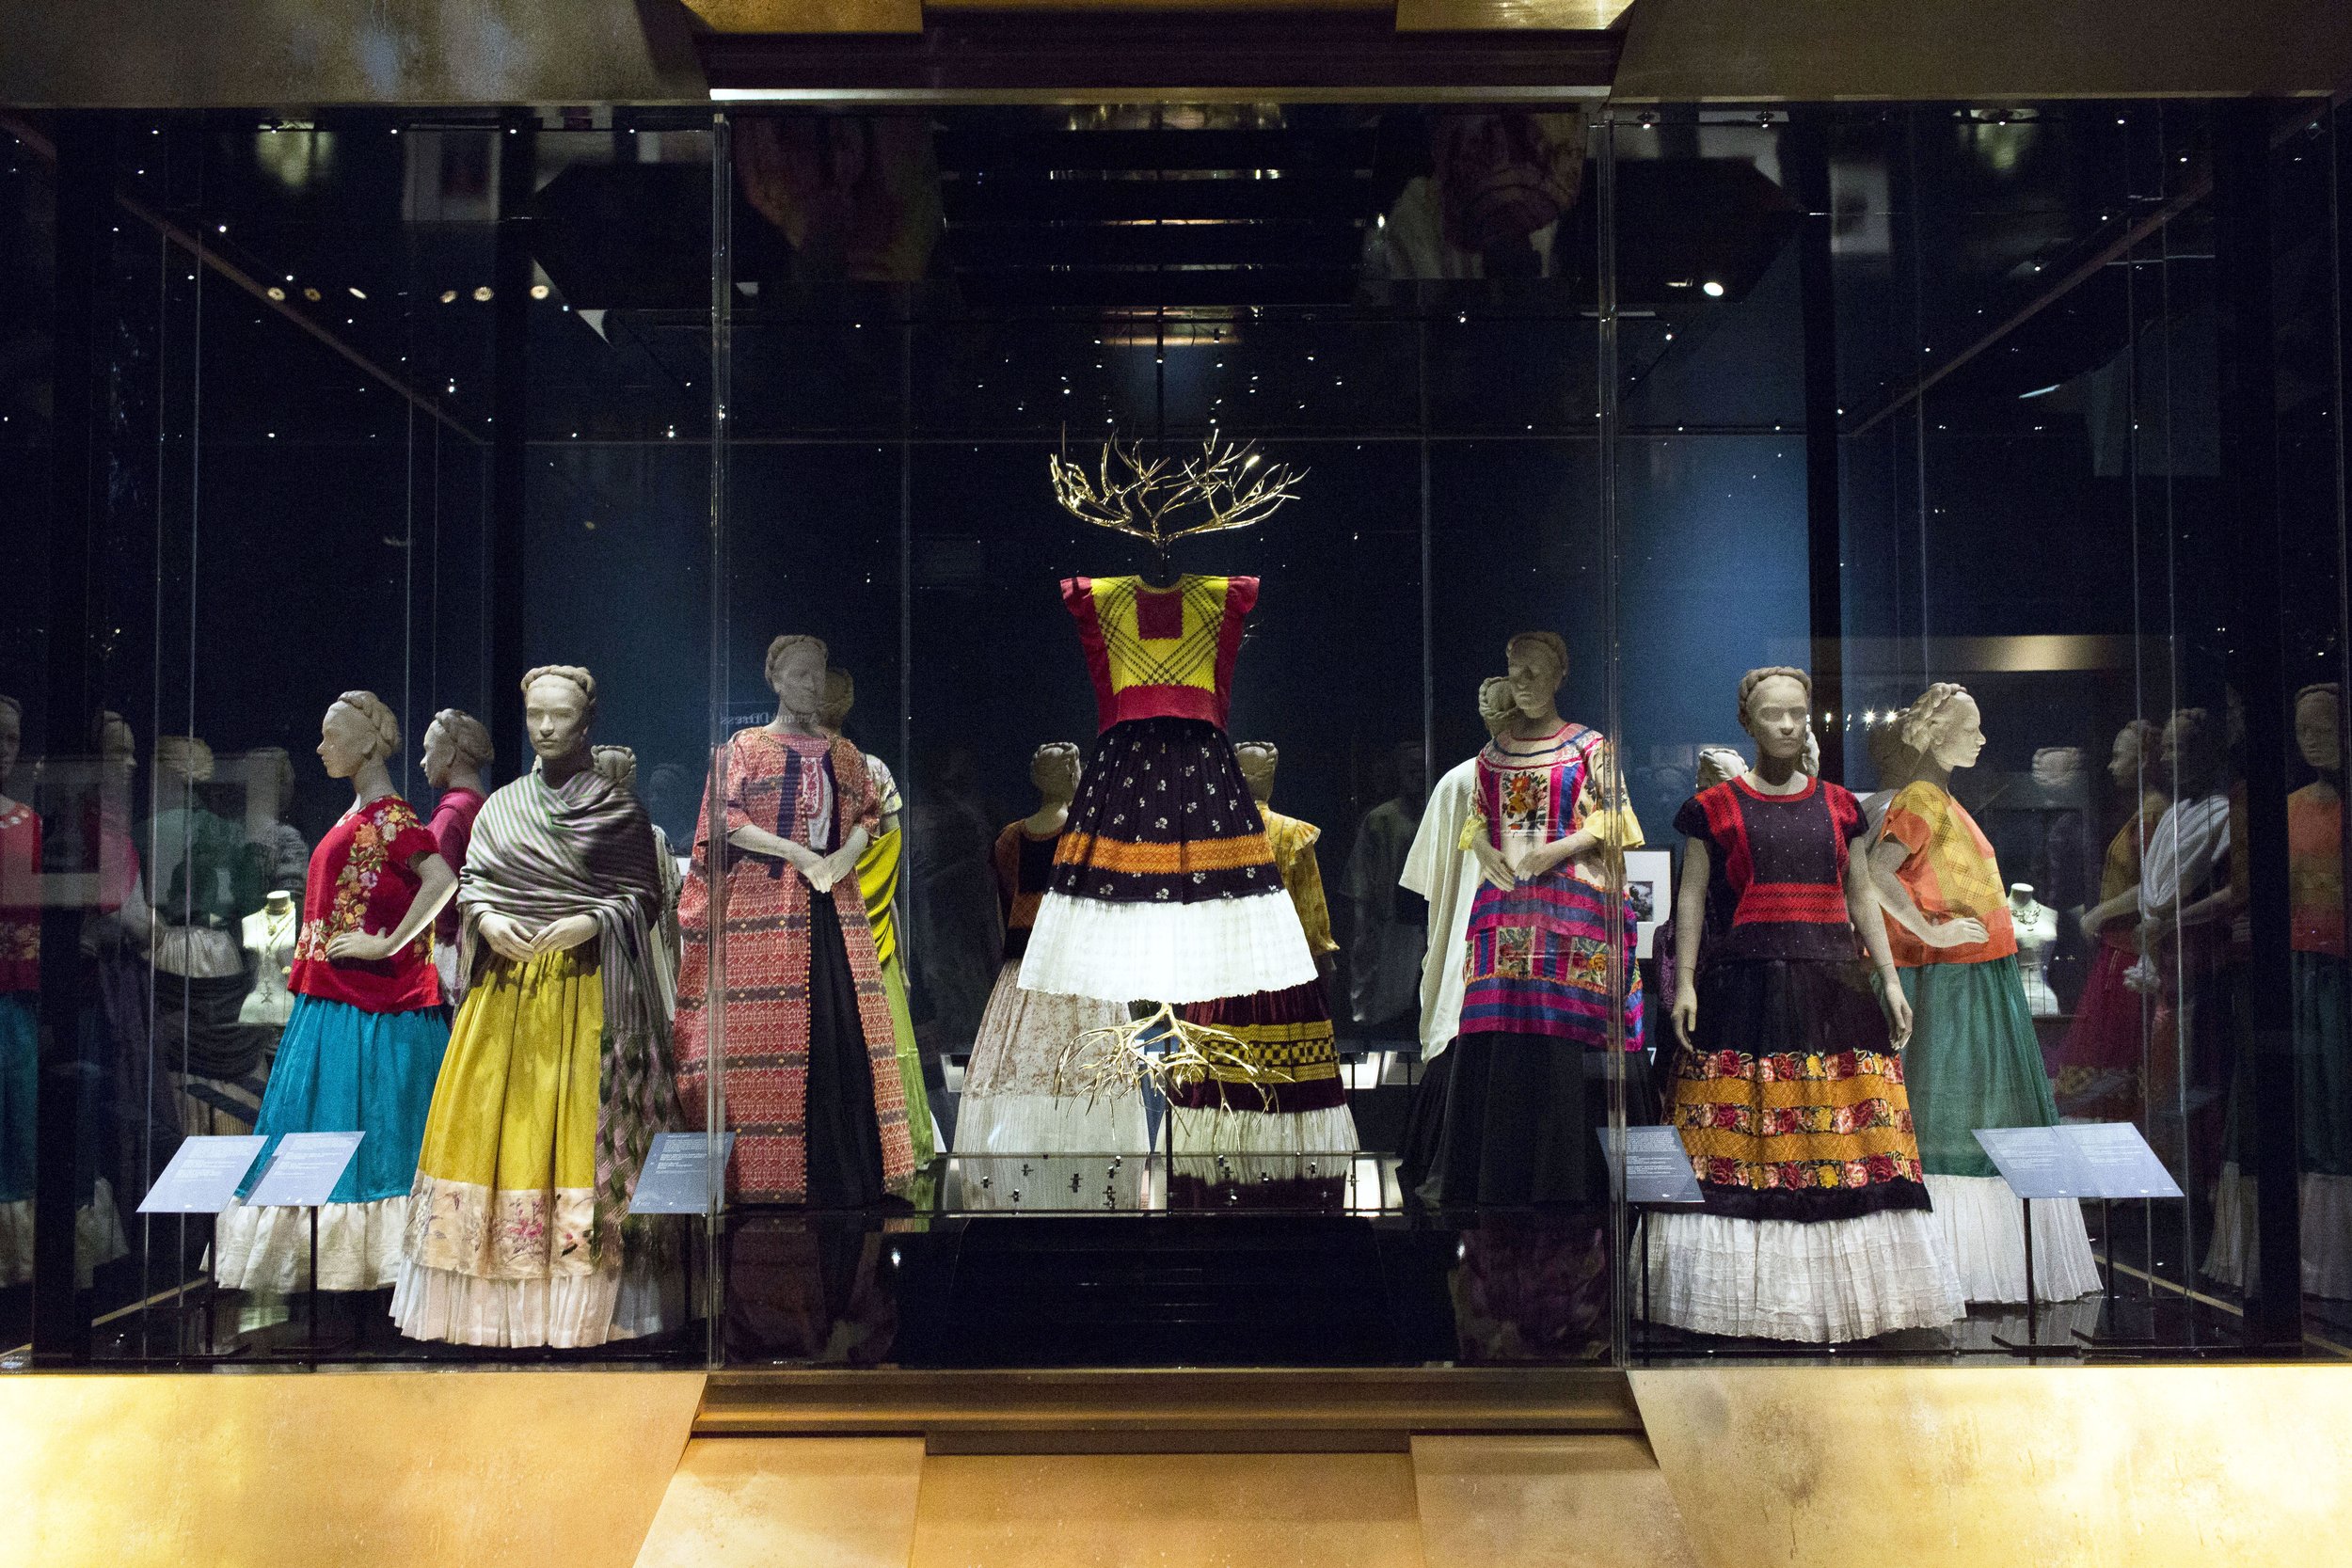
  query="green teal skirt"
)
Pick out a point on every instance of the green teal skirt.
point(1972, 1061)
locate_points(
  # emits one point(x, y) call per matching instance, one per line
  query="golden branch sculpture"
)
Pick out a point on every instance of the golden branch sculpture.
point(1159, 500)
point(1166, 1048)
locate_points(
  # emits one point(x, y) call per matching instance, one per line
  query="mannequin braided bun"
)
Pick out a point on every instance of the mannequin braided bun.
point(840, 696)
point(1753, 678)
point(469, 737)
point(1719, 765)
point(370, 706)
point(572, 672)
point(185, 755)
point(617, 763)
point(1554, 648)
point(1054, 749)
point(783, 645)
point(1924, 720)
point(2328, 690)
point(16, 710)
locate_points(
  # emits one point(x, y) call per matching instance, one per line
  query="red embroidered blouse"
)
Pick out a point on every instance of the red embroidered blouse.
point(363, 878)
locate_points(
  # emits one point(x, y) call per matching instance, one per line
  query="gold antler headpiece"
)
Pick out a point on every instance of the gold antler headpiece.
point(1159, 502)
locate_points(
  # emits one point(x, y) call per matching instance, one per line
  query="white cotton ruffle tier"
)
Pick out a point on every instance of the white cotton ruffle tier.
point(269, 1249)
point(1051, 1124)
point(1214, 1131)
point(2327, 1236)
point(1822, 1282)
point(97, 1238)
point(566, 1312)
point(1985, 1228)
point(1040, 1183)
point(1166, 952)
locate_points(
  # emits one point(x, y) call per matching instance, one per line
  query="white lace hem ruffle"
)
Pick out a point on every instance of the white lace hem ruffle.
point(269, 1249)
point(1166, 952)
point(1985, 1228)
point(567, 1311)
point(1821, 1282)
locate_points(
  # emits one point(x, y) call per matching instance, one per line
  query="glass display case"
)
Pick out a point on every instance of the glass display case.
point(1315, 734)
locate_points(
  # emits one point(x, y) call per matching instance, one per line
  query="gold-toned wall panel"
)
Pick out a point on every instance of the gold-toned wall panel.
point(809, 16)
point(1444, 16)
point(1170, 1511)
point(451, 1469)
point(806, 1502)
point(1950, 1468)
point(1578, 1501)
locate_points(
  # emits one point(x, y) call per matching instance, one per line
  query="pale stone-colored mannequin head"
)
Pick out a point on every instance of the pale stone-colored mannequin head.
point(2318, 729)
point(182, 760)
point(617, 763)
point(1054, 767)
point(2057, 766)
point(840, 696)
point(795, 673)
point(11, 736)
point(358, 730)
point(2192, 752)
point(1537, 662)
point(1944, 729)
point(1259, 759)
point(559, 704)
point(1777, 710)
point(2137, 744)
point(1719, 765)
point(456, 744)
point(1496, 704)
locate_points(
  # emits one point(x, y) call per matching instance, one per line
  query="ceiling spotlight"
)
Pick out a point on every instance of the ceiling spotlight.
point(355, 291)
point(449, 297)
point(482, 292)
point(1711, 289)
point(276, 293)
point(538, 290)
point(311, 294)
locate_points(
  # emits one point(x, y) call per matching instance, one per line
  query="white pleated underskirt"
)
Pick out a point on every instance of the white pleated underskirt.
point(1211, 1132)
point(97, 1237)
point(2234, 1255)
point(269, 1249)
point(1166, 952)
point(2327, 1236)
point(1821, 1282)
point(1985, 1228)
point(567, 1311)
point(1051, 1124)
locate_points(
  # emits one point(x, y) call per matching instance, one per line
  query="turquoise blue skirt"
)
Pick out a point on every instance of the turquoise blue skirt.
point(1972, 1061)
point(20, 1080)
point(340, 1069)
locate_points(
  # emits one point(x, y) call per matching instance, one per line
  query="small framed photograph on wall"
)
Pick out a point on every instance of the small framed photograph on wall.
point(1649, 892)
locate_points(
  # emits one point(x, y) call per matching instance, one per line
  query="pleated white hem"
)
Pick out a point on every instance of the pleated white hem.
point(97, 1238)
point(2327, 1235)
point(1166, 952)
point(1986, 1230)
point(567, 1311)
point(269, 1249)
point(1051, 1124)
point(1330, 1131)
point(1821, 1282)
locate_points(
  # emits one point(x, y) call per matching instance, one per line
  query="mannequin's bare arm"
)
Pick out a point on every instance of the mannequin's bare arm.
point(759, 840)
point(1689, 923)
point(436, 883)
point(2100, 915)
point(1862, 907)
point(1886, 861)
point(508, 938)
point(842, 862)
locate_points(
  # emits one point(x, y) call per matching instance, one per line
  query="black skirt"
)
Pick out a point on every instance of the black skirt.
point(1521, 1119)
point(845, 1164)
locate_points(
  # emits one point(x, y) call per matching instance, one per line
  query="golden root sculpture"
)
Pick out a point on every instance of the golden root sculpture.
point(1170, 1052)
point(1159, 500)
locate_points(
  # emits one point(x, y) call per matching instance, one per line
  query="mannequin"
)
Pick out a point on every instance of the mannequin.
point(878, 884)
point(208, 879)
point(1543, 976)
point(1124, 919)
point(1444, 872)
point(811, 1082)
point(1386, 940)
point(269, 944)
point(456, 750)
point(2036, 927)
point(20, 1005)
point(1008, 1105)
point(269, 781)
point(1297, 1106)
point(2323, 1055)
point(2186, 906)
point(1973, 1060)
point(364, 1039)
point(557, 1075)
point(2097, 1068)
point(1818, 1230)
point(117, 1062)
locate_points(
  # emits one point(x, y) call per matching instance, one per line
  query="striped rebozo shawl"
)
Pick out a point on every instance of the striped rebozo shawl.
point(586, 846)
